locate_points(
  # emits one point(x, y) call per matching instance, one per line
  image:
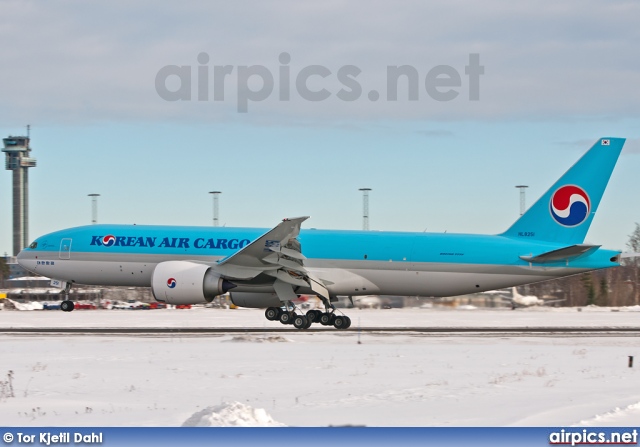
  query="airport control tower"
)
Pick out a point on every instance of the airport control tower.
point(18, 160)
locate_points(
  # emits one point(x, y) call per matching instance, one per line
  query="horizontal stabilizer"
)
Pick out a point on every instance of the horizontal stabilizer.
point(629, 255)
point(562, 254)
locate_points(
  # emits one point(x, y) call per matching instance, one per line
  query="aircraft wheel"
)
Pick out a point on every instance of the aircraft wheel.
point(309, 322)
point(312, 316)
point(348, 322)
point(340, 322)
point(325, 319)
point(271, 313)
point(67, 306)
point(287, 317)
point(300, 322)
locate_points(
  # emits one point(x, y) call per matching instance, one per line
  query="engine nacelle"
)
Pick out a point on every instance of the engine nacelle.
point(255, 299)
point(184, 282)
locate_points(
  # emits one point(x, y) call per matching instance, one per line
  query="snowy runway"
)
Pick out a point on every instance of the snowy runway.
point(325, 378)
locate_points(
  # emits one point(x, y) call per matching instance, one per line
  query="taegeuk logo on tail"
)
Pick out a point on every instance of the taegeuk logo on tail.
point(570, 205)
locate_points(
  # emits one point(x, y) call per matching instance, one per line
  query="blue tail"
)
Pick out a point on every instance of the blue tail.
point(564, 213)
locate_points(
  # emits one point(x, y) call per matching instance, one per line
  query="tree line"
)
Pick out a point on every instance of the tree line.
point(617, 286)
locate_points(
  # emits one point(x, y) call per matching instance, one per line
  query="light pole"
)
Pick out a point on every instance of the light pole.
point(522, 189)
point(365, 208)
point(94, 208)
point(216, 195)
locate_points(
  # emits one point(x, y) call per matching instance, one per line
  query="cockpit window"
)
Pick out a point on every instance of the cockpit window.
point(33, 245)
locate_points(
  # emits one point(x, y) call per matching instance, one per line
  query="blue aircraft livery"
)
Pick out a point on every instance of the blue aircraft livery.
point(270, 268)
point(171, 242)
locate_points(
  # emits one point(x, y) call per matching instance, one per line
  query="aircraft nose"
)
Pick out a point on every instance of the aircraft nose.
point(20, 258)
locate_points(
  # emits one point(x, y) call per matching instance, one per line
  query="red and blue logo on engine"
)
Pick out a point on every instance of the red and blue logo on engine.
point(108, 240)
point(570, 205)
point(171, 283)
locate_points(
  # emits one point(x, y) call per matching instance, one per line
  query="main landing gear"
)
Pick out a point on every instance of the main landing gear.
point(66, 305)
point(289, 316)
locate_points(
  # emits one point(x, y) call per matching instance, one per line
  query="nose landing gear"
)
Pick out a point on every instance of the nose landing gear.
point(66, 305)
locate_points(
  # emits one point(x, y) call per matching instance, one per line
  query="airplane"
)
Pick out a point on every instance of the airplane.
point(368, 302)
point(518, 300)
point(270, 268)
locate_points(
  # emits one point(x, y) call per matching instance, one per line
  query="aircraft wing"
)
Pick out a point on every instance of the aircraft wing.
point(562, 254)
point(254, 259)
point(547, 302)
point(275, 254)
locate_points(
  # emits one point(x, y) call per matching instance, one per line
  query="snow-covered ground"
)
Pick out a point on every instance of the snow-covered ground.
point(228, 318)
point(319, 379)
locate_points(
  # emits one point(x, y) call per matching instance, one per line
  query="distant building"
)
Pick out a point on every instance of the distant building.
point(15, 269)
point(19, 160)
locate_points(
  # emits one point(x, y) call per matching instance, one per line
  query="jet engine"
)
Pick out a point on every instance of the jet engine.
point(184, 282)
point(255, 299)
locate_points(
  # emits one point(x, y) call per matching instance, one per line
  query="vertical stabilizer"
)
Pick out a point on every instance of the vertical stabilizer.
point(564, 213)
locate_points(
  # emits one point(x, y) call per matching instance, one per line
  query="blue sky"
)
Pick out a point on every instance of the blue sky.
point(83, 75)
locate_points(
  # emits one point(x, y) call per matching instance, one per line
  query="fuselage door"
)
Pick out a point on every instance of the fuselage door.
point(65, 248)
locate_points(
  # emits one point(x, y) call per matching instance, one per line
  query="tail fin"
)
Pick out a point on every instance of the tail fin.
point(564, 213)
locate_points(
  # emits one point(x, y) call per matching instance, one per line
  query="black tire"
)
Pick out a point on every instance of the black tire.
point(308, 324)
point(339, 322)
point(67, 306)
point(325, 319)
point(312, 316)
point(300, 322)
point(271, 313)
point(318, 314)
point(348, 325)
point(287, 317)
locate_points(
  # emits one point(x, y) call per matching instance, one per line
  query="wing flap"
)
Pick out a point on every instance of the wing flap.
point(318, 287)
point(288, 252)
point(230, 271)
point(284, 290)
point(283, 262)
point(283, 276)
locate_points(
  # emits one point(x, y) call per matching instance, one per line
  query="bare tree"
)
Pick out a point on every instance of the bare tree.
point(4, 271)
point(634, 263)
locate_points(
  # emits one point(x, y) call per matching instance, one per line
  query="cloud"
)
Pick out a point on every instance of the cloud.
point(631, 146)
point(79, 62)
